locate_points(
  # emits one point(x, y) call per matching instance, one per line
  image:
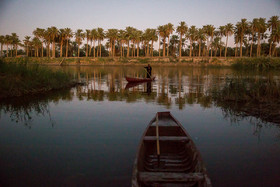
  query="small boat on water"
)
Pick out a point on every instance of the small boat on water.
point(167, 156)
point(132, 79)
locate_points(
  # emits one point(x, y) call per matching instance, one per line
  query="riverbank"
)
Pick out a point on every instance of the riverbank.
point(235, 62)
point(18, 79)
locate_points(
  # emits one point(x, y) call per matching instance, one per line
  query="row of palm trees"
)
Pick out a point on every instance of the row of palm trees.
point(131, 40)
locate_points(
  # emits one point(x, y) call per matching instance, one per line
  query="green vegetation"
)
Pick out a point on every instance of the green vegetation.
point(261, 63)
point(20, 78)
point(256, 38)
point(257, 97)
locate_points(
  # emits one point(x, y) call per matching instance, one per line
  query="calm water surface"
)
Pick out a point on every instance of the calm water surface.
point(88, 135)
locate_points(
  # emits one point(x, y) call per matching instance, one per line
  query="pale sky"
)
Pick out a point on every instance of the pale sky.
point(24, 16)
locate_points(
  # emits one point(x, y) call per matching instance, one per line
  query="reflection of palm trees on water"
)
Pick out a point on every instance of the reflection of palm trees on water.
point(178, 86)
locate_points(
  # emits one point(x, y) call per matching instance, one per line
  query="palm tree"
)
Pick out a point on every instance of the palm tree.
point(62, 37)
point(174, 41)
point(236, 39)
point(39, 33)
point(100, 37)
point(15, 42)
point(79, 35)
point(93, 37)
point(272, 25)
point(47, 39)
point(253, 28)
point(170, 30)
point(68, 34)
point(209, 30)
point(154, 38)
point(182, 28)
point(53, 35)
point(87, 34)
point(27, 43)
point(112, 35)
point(128, 35)
point(36, 43)
point(163, 32)
point(217, 44)
point(261, 28)
point(138, 36)
point(200, 38)
point(276, 37)
point(121, 38)
point(192, 32)
point(243, 27)
point(160, 31)
point(2, 39)
point(221, 33)
point(229, 32)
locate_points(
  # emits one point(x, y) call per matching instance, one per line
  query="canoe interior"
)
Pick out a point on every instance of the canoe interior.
point(179, 163)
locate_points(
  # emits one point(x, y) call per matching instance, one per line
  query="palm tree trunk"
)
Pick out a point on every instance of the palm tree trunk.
point(236, 49)
point(114, 48)
point(49, 50)
point(226, 47)
point(199, 48)
point(53, 49)
point(42, 55)
point(90, 47)
point(148, 50)
point(168, 46)
point(100, 49)
point(180, 46)
point(211, 44)
point(66, 49)
point(164, 47)
point(138, 46)
point(1, 50)
point(16, 50)
point(93, 48)
point(241, 41)
point(159, 45)
point(61, 43)
point(152, 49)
point(7, 51)
point(127, 49)
point(87, 49)
point(274, 50)
point(251, 48)
point(191, 48)
point(78, 50)
point(259, 45)
point(270, 47)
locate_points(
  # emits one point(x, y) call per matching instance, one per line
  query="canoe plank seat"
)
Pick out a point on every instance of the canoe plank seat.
point(166, 138)
point(169, 177)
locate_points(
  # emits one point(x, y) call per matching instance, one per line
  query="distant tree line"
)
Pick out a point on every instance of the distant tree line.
point(256, 38)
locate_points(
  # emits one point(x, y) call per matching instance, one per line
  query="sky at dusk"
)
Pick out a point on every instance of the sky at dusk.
point(23, 16)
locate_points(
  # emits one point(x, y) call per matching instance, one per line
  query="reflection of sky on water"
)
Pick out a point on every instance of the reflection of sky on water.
point(94, 141)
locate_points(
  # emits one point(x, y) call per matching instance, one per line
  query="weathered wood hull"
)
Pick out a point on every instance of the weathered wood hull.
point(179, 162)
point(132, 80)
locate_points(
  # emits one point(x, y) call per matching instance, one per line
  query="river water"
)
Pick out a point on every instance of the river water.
point(88, 135)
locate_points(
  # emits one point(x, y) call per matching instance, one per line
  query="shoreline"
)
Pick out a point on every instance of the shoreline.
point(229, 62)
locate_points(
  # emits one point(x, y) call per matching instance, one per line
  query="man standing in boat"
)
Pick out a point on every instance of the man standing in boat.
point(149, 71)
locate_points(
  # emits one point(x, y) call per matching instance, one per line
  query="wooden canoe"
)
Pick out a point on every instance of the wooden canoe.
point(132, 79)
point(167, 156)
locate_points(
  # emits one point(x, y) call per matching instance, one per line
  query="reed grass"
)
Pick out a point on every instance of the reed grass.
point(21, 78)
point(261, 63)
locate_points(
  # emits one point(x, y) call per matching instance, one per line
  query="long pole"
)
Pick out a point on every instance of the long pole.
point(148, 72)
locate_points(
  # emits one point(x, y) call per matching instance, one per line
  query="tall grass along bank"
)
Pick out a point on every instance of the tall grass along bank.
point(20, 78)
